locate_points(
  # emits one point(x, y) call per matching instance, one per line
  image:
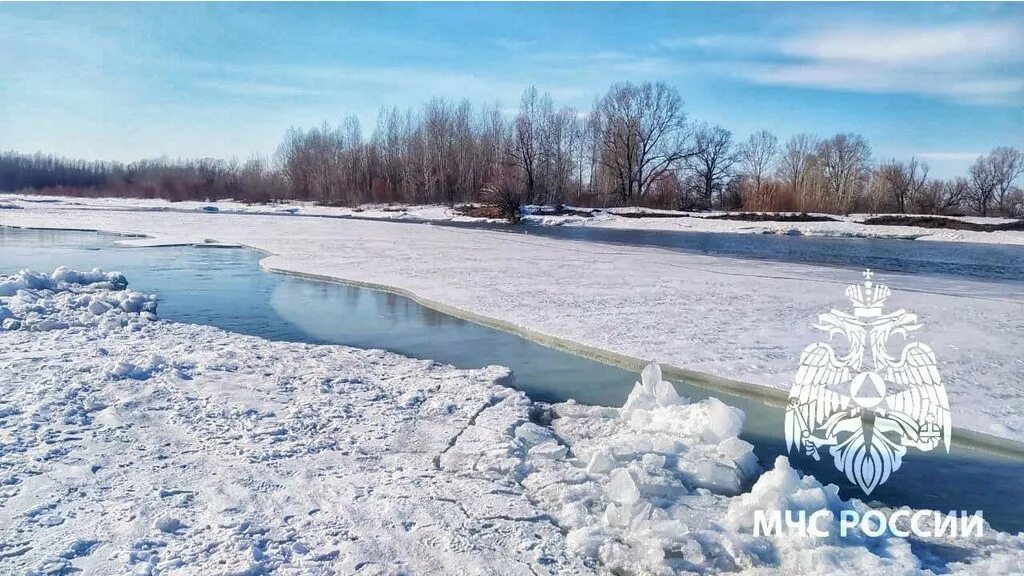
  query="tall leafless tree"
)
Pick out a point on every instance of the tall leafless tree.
point(846, 168)
point(799, 168)
point(983, 182)
point(644, 136)
point(710, 163)
point(1007, 164)
point(525, 139)
point(758, 157)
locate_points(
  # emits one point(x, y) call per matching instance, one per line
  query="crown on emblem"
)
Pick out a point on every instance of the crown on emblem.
point(867, 298)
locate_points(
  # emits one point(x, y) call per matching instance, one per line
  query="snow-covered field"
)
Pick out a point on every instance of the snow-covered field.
point(133, 445)
point(843, 226)
point(745, 320)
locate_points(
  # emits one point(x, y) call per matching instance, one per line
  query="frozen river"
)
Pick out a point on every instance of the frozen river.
point(226, 288)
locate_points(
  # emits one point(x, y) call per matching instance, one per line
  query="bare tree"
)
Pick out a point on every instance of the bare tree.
point(592, 144)
point(758, 156)
point(490, 159)
point(38, 171)
point(354, 169)
point(903, 182)
point(556, 153)
point(1007, 165)
point(525, 139)
point(983, 185)
point(644, 136)
point(579, 149)
point(1015, 202)
point(388, 139)
point(992, 177)
point(710, 163)
point(846, 168)
point(799, 169)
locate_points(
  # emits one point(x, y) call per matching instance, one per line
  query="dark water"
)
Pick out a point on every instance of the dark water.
point(225, 287)
point(961, 259)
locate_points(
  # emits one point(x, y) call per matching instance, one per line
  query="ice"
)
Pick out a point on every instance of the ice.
point(551, 450)
point(621, 488)
point(181, 448)
point(64, 276)
point(532, 434)
point(30, 300)
point(174, 448)
point(644, 464)
point(722, 421)
point(120, 369)
point(741, 319)
point(662, 494)
point(169, 524)
point(25, 279)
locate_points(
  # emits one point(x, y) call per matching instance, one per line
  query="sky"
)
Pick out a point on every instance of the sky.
point(942, 82)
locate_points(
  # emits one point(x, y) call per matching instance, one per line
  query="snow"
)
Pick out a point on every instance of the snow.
point(395, 212)
point(741, 319)
point(150, 447)
point(848, 226)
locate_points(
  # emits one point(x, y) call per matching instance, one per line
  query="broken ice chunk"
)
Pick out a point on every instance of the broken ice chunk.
point(551, 450)
point(532, 434)
point(723, 421)
point(622, 489)
point(601, 462)
point(651, 377)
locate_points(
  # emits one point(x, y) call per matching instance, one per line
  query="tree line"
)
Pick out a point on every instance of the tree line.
point(254, 180)
point(635, 146)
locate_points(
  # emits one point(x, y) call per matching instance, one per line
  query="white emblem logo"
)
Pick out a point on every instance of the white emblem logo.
point(839, 402)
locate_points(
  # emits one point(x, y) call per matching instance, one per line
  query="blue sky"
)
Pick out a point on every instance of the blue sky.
point(116, 81)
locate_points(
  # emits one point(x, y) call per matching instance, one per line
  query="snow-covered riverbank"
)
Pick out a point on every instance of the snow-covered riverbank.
point(745, 320)
point(850, 226)
point(132, 445)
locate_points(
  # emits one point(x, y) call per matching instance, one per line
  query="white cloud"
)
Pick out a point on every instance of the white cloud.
point(910, 46)
point(962, 86)
point(976, 63)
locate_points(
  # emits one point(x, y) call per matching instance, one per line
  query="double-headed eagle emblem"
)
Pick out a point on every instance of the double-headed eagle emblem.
point(867, 416)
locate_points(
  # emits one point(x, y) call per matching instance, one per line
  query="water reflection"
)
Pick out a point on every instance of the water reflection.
point(331, 313)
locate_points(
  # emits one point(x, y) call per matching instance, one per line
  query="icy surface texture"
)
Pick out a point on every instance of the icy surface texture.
point(152, 447)
point(663, 486)
point(33, 301)
point(745, 319)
